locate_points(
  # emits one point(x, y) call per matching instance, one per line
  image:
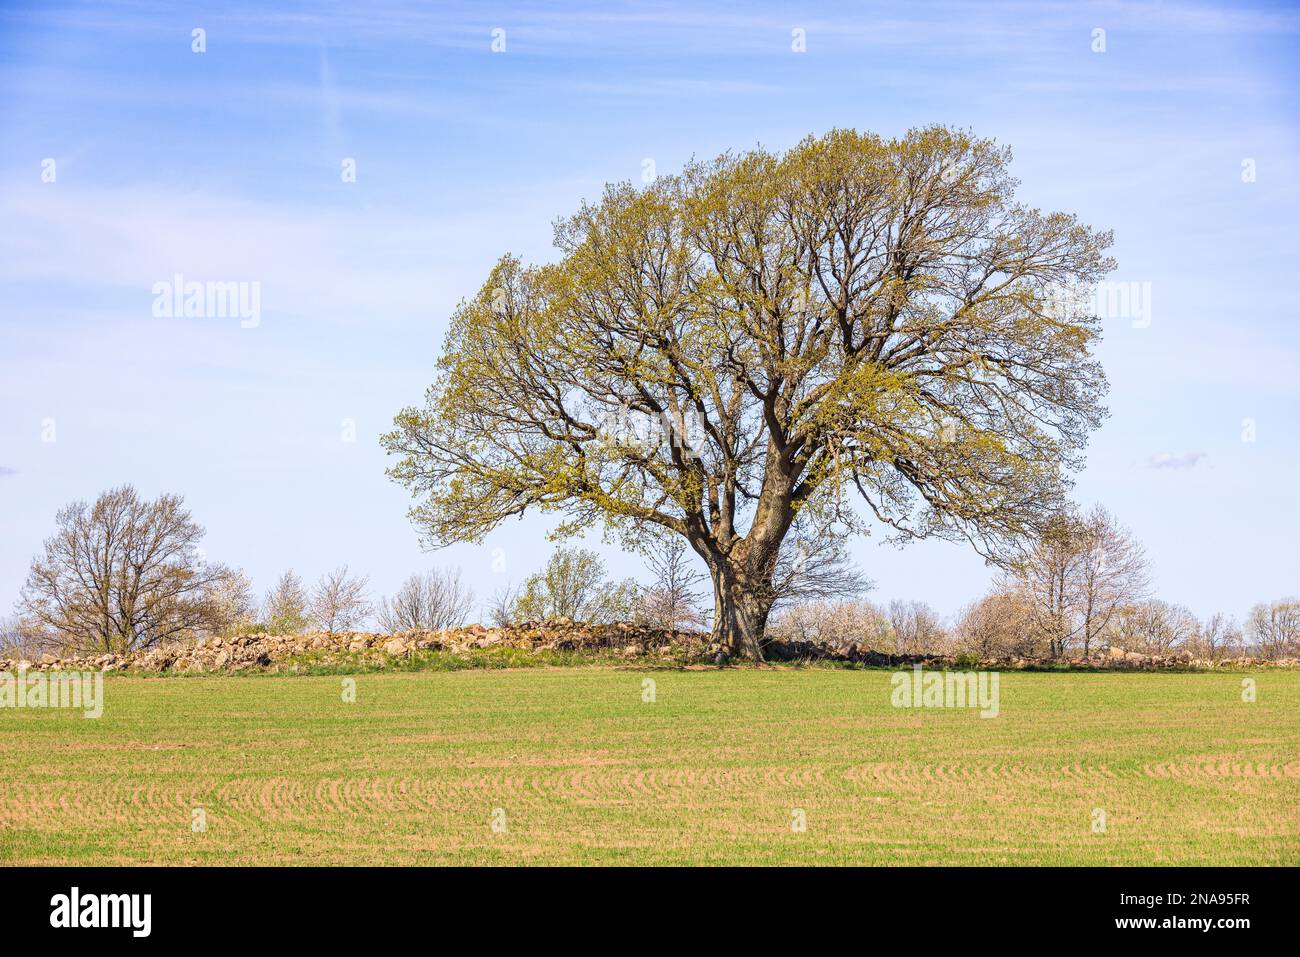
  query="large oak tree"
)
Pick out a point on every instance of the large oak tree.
point(755, 343)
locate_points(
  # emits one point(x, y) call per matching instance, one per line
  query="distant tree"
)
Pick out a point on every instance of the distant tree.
point(1218, 637)
point(916, 628)
point(1152, 627)
point(1076, 573)
point(285, 609)
point(22, 638)
point(434, 601)
point(1111, 570)
point(573, 586)
point(339, 602)
point(1000, 623)
point(503, 607)
point(1048, 574)
point(815, 565)
point(122, 574)
point(837, 624)
point(233, 606)
point(1274, 627)
point(717, 352)
point(674, 600)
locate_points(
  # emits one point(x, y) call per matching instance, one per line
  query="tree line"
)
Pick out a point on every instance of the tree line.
point(124, 573)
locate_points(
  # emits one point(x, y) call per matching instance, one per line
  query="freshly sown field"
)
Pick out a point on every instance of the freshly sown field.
point(572, 766)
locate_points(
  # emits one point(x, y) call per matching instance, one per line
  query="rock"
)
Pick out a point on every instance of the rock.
point(247, 652)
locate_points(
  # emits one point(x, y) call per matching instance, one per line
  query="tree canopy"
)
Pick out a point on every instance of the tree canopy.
point(769, 337)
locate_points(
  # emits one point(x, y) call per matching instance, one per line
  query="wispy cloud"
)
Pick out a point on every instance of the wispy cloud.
point(1173, 460)
point(353, 264)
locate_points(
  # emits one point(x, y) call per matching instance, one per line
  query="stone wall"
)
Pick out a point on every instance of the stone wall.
point(250, 652)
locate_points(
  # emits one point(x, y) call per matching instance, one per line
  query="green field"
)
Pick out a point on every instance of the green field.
point(584, 771)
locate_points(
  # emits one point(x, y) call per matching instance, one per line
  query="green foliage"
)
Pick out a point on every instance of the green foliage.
point(766, 336)
point(573, 586)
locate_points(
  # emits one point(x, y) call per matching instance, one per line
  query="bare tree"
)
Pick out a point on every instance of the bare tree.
point(1111, 572)
point(339, 602)
point(1218, 637)
point(1076, 574)
point(22, 638)
point(814, 564)
point(434, 601)
point(503, 607)
point(674, 600)
point(916, 628)
point(286, 606)
point(1274, 627)
point(122, 574)
point(1048, 575)
point(834, 623)
point(1000, 623)
point(1153, 627)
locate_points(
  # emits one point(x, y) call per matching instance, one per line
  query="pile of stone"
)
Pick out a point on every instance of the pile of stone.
point(254, 651)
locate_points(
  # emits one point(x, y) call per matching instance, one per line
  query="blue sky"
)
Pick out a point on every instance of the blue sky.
point(226, 166)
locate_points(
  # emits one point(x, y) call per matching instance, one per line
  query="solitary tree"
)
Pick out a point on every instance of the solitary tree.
point(124, 573)
point(766, 333)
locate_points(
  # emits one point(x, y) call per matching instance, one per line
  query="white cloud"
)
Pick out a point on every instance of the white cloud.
point(339, 263)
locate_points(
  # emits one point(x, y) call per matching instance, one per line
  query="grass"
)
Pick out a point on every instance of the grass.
point(712, 771)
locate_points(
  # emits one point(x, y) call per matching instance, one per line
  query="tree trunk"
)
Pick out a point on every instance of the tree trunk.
point(740, 615)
